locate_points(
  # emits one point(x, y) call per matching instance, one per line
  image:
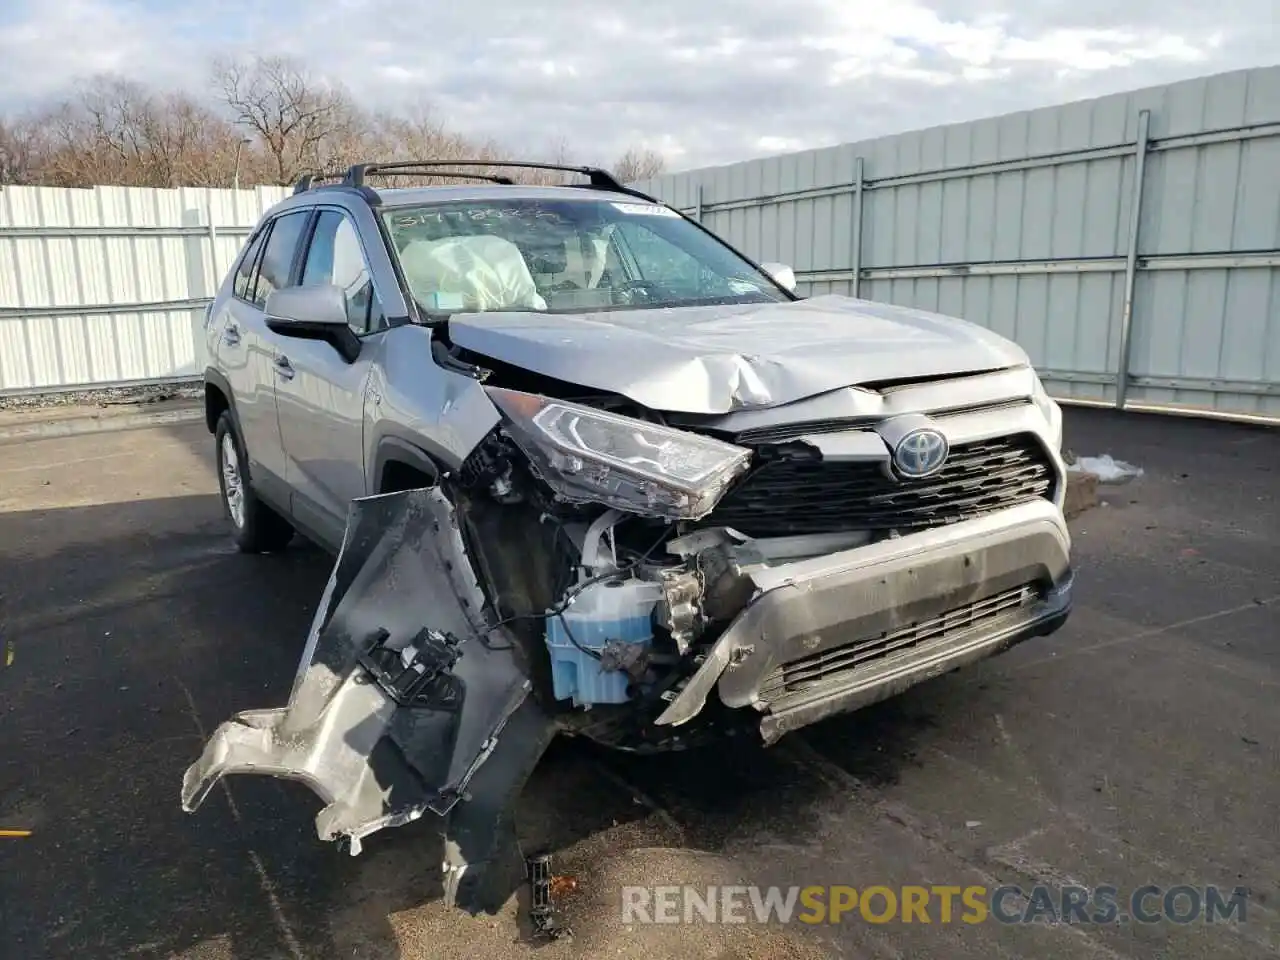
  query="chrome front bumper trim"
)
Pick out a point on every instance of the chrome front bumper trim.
point(824, 603)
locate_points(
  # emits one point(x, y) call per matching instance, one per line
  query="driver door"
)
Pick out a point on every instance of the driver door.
point(320, 397)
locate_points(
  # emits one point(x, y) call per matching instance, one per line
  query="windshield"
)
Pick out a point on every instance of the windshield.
point(566, 256)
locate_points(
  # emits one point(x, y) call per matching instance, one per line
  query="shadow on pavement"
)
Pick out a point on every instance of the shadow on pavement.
point(135, 629)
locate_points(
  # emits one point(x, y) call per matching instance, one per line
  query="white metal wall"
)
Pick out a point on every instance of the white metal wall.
point(1025, 223)
point(108, 285)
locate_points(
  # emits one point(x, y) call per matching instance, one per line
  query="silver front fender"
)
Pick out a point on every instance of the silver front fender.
point(404, 686)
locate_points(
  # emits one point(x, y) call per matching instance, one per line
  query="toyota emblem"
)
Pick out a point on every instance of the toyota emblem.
point(920, 453)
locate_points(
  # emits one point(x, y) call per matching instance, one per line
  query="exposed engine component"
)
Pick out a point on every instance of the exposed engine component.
point(619, 656)
point(615, 612)
point(723, 558)
point(503, 490)
point(679, 610)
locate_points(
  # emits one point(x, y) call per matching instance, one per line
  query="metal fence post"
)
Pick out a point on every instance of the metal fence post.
point(1131, 259)
point(198, 327)
point(857, 227)
point(697, 207)
point(213, 252)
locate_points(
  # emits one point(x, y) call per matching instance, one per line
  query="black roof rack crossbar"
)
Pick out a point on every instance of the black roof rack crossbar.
point(309, 180)
point(601, 179)
point(381, 171)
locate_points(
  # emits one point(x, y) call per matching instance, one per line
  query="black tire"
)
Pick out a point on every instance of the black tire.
point(255, 527)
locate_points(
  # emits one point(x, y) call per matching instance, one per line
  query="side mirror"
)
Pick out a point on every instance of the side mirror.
point(313, 313)
point(783, 275)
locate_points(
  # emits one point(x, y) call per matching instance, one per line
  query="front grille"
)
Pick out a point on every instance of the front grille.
point(800, 675)
point(784, 432)
point(788, 497)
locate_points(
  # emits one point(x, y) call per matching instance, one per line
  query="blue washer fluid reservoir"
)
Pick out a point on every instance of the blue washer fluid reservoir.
point(618, 610)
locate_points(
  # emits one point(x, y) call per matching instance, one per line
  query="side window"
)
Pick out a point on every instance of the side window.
point(247, 271)
point(277, 258)
point(336, 257)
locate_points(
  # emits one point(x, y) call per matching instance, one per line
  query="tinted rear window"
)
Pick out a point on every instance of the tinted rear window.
point(277, 259)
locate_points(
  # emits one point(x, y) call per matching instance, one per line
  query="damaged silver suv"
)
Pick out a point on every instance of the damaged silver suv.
point(589, 470)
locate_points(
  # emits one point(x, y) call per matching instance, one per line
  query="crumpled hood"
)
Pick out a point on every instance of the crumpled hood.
point(718, 359)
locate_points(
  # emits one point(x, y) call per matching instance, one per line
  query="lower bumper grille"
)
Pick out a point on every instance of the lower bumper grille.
point(800, 675)
point(791, 497)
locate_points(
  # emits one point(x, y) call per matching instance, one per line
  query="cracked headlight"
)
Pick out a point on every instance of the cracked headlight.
point(589, 455)
point(1052, 413)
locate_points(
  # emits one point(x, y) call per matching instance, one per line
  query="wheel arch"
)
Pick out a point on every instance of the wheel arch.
point(397, 461)
point(217, 399)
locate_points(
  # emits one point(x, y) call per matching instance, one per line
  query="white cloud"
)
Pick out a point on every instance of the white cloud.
point(779, 144)
point(1103, 49)
point(975, 74)
point(705, 82)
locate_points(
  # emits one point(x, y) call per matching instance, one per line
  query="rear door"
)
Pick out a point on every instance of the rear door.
point(246, 354)
point(319, 394)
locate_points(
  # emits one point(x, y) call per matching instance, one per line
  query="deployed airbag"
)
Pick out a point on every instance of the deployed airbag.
point(471, 273)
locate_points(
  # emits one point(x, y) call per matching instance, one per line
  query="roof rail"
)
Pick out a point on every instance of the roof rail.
point(381, 171)
point(309, 180)
point(598, 178)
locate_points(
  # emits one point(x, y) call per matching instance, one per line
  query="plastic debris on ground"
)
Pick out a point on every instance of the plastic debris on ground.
point(1106, 468)
point(545, 888)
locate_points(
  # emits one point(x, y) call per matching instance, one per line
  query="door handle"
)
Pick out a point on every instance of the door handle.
point(231, 335)
point(284, 368)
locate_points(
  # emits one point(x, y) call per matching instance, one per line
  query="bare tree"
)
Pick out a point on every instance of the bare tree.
point(271, 121)
point(302, 123)
point(19, 151)
point(556, 151)
point(203, 148)
point(416, 134)
point(115, 131)
point(639, 164)
point(163, 141)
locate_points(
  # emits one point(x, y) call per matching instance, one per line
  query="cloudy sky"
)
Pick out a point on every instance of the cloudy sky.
point(703, 81)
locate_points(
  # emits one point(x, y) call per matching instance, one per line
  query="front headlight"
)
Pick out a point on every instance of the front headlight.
point(1052, 413)
point(589, 455)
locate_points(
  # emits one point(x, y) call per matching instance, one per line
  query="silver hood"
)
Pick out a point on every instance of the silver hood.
point(719, 359)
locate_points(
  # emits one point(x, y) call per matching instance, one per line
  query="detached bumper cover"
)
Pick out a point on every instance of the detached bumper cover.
point(835, 633)
point(387, 720)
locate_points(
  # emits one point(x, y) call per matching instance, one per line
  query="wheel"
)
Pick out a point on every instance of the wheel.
point(255, 527)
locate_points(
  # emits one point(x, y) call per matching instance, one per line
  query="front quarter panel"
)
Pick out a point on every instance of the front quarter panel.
point(415, 401)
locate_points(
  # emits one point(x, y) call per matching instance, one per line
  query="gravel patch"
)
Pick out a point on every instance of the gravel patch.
point(105, 397)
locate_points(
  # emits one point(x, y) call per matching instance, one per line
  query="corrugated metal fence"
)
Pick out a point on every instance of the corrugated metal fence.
point(1131, 244)
point(107, 286)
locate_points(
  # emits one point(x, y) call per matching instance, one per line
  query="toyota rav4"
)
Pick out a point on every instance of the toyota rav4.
point(587, 469)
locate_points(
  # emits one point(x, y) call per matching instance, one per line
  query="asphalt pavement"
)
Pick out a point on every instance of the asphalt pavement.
point(1139, 745)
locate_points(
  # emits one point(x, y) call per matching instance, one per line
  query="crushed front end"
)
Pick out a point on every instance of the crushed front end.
point(827, 567)
point(651, 582)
